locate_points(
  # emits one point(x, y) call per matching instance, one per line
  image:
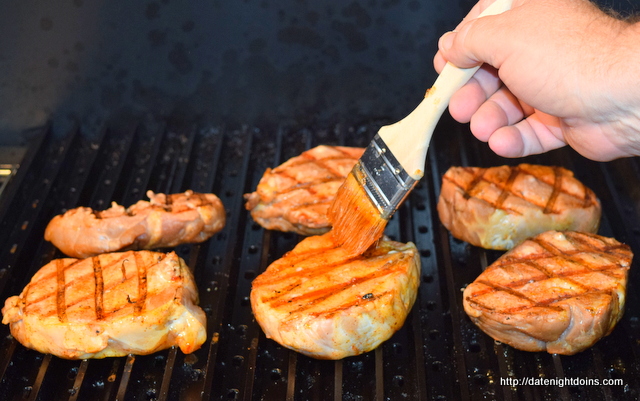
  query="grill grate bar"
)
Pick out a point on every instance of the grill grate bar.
point(19, 237)
point(106, 172)
point(219, 274)
point(438, 354)
point(77, 384)
point(337, 377)
point(124, 378)
point(35, 387)
point(168, 372)
point(140, 165)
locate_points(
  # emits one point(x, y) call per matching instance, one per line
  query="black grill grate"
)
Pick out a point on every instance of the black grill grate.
point(438, 354)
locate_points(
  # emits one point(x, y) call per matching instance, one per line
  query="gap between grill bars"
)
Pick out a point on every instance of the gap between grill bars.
point(437, 355)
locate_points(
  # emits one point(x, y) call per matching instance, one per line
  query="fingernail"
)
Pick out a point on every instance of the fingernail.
point(446, 41)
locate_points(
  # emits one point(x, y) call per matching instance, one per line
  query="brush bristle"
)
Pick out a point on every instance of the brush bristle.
point(357, 223)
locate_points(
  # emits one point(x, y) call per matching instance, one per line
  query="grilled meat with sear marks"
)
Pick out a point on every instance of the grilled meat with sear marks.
point(296, 195)
point(318, 301)
point(498, 207)
point(164, 221)
point(108, 305)
point(558, 292)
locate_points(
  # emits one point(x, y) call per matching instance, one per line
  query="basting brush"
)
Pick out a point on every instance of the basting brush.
point(393, 163)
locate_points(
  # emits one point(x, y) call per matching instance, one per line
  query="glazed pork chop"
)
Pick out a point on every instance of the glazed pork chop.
point(498, 207)
point(163, 221)
point(321, 303)
point(296, 195)
point(108, 305)
point(558, 292)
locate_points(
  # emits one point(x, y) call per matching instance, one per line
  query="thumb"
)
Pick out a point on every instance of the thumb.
point(475, 41)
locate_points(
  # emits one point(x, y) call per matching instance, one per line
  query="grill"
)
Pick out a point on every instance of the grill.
point(437, 355)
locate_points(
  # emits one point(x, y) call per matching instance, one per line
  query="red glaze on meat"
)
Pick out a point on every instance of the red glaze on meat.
point(320, 302)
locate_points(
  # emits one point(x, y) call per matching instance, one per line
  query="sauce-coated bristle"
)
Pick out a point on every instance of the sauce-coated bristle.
point(357, 223)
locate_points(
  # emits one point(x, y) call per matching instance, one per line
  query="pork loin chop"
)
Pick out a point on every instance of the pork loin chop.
point(499, 207)
point(558, 292)
point(296, 195)
point(163, 221)
point(321, 303)
point(108, 305)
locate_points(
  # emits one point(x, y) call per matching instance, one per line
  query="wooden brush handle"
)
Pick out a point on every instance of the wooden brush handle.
point(409, 138)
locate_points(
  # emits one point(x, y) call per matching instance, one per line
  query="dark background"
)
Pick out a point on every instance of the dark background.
point(251, 61)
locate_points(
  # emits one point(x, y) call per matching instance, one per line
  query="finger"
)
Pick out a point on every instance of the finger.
point(475, 40)
point(501, 109)
point(533, 135)
point(468, 99)
point(439, 59)
point(439, 62)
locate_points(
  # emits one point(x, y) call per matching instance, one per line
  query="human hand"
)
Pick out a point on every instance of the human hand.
point(556, 72)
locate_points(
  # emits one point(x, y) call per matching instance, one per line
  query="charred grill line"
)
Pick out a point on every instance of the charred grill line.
point(587, 247)
point(557, 186)
point(99, 288)
point(327, 167)
point(62, 285)
point(468, 192)
point(309, 185)
point(141, 269)
point(507, 189)
point(123, 270)
point(307, 204)
point(311, 298)
point(61, 305)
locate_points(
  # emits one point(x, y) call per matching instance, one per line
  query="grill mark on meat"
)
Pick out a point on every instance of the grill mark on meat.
point(169, 204)
point(123, 270)
point(307, 204)
point(582, 246)
point(310, 185)
point(611, 252)
point(328, 313)
point(61, 305)
point(308, 158)
point(141, 268)
point(99, 287)
point(293, 273)
point(479, 173)
point(557, 187)
point(329, 167)
point(313, 298)
point(317, 270)
point(202, 200)
point(589, 197)
point(60, 302)
point(548, 207)
point(515, 293)
point(507, 189)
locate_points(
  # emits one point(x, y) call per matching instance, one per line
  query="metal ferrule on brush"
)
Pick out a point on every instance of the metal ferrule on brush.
point(383, 178)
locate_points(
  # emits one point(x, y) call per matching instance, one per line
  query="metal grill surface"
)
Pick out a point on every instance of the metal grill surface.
point(438, 354)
